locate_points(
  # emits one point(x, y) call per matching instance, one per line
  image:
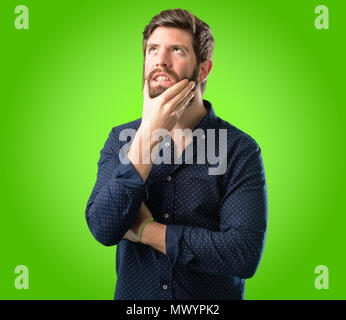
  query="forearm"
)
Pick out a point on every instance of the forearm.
point(142, 151)
point(154, 235)
point(115, 199)
point(109, 219)
point(233, 252)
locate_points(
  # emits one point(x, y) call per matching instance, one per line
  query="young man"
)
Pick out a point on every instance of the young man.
point(184, 228)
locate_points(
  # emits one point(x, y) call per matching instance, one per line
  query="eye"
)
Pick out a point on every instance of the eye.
point(150, 50)
point(178, 49)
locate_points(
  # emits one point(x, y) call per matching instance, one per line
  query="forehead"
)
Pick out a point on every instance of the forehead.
point(166, 36)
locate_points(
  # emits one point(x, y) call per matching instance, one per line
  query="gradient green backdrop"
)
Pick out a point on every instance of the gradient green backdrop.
point(76, 73)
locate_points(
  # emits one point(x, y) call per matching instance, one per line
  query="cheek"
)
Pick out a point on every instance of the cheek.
point(186, 66)
point(188, 71)
point(182, 69)
point(147, 67)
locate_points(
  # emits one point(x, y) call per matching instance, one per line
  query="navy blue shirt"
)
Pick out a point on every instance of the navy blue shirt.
point(216, 223)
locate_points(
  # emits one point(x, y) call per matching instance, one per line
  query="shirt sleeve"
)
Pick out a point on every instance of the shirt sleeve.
point(236, 249)
point(116, 197)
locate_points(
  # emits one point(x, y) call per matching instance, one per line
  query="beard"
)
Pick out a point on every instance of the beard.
point(157, 90)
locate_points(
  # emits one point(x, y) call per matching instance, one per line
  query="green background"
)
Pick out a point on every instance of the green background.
point(76, 73)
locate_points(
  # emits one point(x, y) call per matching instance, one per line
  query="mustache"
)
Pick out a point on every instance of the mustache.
point(163, 70)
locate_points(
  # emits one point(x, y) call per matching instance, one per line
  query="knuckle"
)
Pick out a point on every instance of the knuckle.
point(162, 100)
point(169, 106)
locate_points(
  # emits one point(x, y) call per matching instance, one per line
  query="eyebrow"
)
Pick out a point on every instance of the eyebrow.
point(171, 46)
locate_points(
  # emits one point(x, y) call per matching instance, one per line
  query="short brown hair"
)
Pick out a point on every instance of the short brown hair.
point(203, 40)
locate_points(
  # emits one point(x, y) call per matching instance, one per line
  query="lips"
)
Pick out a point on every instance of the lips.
point(162, 77)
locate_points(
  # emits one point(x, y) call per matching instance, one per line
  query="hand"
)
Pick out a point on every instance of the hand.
point(143, 215)
point(164, 111)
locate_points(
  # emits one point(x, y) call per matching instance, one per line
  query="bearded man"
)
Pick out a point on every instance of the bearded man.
point(184, 228)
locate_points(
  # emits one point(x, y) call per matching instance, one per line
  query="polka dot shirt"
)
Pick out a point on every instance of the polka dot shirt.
point(216, 223)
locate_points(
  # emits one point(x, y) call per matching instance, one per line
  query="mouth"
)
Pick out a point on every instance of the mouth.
point(162, 79)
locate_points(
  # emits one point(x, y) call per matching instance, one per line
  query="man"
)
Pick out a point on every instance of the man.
point(181, 232)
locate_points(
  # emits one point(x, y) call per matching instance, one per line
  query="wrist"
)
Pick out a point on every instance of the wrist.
point(141, 147)
point(154, 235)
point(150, 135)
point(143, 227)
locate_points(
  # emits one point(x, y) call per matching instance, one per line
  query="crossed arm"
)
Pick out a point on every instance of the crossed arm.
point(154, 233)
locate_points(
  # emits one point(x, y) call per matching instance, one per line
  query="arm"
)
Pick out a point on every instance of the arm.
point(237, 248)
point(116, 196)
point(120, 188)
point(153, 233)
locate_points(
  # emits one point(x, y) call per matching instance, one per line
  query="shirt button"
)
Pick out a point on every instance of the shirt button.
point(166, 215)
point(164, 287)
point(203, 136)
point(167, 144)
point(169, 178)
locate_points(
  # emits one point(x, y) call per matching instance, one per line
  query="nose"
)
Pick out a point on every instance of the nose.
point(163, 59)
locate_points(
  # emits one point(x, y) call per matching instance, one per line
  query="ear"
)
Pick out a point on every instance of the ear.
point(205, 68)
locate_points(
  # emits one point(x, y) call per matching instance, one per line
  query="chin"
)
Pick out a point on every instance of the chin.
point(156, 91)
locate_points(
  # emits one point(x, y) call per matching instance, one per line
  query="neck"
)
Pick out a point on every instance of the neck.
point(193, 113)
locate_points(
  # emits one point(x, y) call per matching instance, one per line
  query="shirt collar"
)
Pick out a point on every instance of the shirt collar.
point(209, 118)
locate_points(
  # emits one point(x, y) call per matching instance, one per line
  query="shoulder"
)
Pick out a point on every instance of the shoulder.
point(133, 125)
point(120, 135)
point(124, 131)
point(237, 139)
point(242, 155)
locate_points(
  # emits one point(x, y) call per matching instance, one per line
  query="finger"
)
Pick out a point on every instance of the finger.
point(181, 111)
point(182, 95)
point(184, 102)
point(172, 91)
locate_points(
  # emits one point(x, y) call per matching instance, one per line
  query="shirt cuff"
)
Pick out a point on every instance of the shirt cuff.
point(174, 234)
point(128, 176)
